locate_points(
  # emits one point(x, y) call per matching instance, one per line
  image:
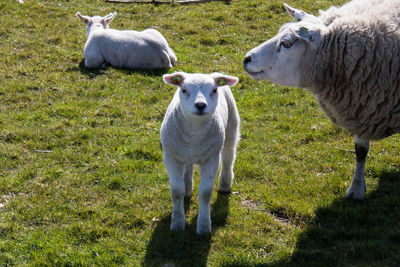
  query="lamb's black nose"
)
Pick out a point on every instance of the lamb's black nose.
point(200, 106)
point(247, 59)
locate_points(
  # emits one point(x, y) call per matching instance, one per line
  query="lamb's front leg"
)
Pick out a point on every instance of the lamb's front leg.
point(208, 172)
point(358, 187)
point(177, 191)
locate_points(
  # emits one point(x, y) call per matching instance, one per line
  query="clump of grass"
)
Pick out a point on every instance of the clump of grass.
point(81, 175)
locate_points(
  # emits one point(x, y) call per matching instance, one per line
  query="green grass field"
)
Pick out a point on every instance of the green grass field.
point(82, 180)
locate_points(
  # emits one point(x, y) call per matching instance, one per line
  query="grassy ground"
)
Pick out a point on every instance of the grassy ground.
point(81, 175)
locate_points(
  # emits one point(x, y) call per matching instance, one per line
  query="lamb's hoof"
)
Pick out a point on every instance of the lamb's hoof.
point(224, 188)
point(353, 194)
point(224, 191)
point(177, 226)
point(204, 230)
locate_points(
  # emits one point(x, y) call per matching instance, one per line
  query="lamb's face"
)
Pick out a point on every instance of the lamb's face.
point(198, 93)
point(280, 59)
point(198, 96)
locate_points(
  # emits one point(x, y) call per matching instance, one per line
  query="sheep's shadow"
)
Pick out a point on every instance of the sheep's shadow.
point(94, 72)
point(351, 232)
point(184, 248)
point(156, 72)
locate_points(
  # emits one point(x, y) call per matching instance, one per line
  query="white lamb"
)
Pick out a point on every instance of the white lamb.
point(349, 58)
point(201, 126)
point(144, 50)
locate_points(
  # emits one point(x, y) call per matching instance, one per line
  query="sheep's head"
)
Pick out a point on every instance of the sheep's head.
point(281, 59)
point(198, 93)
point(96, 22)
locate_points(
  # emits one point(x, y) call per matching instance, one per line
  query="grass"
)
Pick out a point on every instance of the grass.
point(81, 175)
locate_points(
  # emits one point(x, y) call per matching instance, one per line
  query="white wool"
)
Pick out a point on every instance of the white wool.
point(349, 59)
point(145, 50)
point(201, 126)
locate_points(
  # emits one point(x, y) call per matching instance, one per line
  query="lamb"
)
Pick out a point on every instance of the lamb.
point(145, 50)
point(201, 126)
point(349, 59)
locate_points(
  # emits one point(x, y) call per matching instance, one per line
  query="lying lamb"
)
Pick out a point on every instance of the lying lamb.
point(349, 59)
point(201, 126)
point(144, 50)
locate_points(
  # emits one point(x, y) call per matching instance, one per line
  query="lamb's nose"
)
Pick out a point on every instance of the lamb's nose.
point(200, 106)
point(247, 59)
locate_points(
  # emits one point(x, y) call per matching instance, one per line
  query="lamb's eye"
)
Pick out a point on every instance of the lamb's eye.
point(214, 91)
point(184, 91)
point(286, 43)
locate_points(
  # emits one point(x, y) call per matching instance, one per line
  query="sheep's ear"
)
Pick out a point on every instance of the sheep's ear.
point(307, 35)
point(221, 79)
point(298, 14)
point(85, 19)
point(110, 17)
point(175, 78)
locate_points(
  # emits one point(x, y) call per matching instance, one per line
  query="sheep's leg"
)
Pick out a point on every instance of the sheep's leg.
point(166, 61)
point(358, 187)
point(93, 62)
point(226, 175)
point(208, 172)
point(93, 57)
point(188, 179)
point(177, 191)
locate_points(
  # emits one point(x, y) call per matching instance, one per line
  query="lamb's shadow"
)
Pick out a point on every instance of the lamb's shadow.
point(94, 72)
point(184, 248)
point(353, 233)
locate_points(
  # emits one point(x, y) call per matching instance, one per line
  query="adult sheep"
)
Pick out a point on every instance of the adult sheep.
point(349, 59)
point(146, 50)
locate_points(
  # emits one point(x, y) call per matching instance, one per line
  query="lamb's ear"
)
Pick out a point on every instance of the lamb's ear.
point(85, 19)
point(307, 34)
point(222, 79)
point(175, 78)
point(298, 14)
point(109, 17)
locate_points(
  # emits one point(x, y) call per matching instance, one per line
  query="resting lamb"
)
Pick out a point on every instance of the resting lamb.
point(349, 59)
point(201, 126)
point(146, 50)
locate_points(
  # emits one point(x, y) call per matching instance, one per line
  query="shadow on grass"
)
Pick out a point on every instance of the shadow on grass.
point(184, 248)
point(353, 233)
point(94, 72)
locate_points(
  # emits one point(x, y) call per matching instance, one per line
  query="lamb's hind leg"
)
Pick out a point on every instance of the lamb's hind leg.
point(226, 175)
point(358, 187)
point(93, 59)
point(188, 179)
point(165, 59)
point(228, 157)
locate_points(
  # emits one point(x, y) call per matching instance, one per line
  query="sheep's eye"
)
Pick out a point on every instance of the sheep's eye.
point(286, 43)
point(184, 91)
point(214, 91)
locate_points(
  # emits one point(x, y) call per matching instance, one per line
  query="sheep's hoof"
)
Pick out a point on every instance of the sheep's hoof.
point(224, 191)
point(177, 224)
point(203, 230)
point(353, 194)
point(177, 227)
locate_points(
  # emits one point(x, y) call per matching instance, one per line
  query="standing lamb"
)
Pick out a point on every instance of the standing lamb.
point(349, 59)
point(201, 126)
point(144, 50)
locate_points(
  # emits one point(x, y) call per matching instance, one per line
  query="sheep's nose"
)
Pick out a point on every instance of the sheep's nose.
point(247, 59)
point(200, 106)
